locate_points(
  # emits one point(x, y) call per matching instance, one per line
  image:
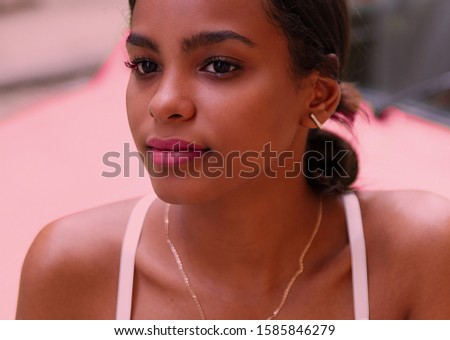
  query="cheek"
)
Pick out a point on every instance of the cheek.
point(136, 105)
point(251, 113)
point(130, 99)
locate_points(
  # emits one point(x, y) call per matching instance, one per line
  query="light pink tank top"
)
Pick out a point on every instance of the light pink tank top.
point(356, 242)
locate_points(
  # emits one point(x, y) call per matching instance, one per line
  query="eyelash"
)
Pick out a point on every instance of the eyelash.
point(226, 61)
point(135, 63)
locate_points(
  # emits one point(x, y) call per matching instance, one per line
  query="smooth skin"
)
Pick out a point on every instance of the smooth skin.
point(239, 238)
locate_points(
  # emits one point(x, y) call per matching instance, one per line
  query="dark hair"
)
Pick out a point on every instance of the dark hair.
point(316, 30)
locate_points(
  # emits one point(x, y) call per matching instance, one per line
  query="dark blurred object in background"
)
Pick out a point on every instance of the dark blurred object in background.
point(51, 46)
point(401, 50)
point(8, 6)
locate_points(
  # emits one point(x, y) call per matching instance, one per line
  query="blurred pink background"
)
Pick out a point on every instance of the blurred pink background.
point(62, 107)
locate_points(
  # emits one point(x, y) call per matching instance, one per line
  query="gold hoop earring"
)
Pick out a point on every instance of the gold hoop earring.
point(316, 121)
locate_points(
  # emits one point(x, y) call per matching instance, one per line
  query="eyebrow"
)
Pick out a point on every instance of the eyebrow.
point(142, 41)
point(212, 37)
point(188, 44)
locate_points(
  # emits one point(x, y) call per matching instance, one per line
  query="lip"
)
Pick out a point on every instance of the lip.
point(174, 145)
point(170, 152)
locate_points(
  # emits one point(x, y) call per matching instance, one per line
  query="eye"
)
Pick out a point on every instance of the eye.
point(220, 66)
point(143, 66)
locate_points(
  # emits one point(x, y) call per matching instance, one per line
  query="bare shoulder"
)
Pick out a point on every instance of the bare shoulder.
point(410, 216)
point(408, 235)
point(71, 268)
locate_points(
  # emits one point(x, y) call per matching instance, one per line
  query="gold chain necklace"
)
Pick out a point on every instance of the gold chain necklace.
point(287, 289)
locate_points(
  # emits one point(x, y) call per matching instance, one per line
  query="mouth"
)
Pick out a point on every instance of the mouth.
point(167, 152)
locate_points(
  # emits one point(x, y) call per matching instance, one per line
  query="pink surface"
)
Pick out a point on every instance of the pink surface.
point(401, 151)
point(52, 162)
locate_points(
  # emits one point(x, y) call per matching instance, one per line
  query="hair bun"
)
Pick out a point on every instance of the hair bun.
point(330, 163)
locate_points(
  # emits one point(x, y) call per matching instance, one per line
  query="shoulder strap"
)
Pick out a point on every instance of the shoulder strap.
point(358, 256)
point(127, 257)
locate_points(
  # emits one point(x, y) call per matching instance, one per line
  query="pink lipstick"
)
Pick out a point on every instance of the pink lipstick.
point(167, 152)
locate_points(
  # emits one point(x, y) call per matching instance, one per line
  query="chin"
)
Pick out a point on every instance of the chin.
point(186, 191)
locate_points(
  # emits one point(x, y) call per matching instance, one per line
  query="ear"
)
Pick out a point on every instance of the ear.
point(324, 99)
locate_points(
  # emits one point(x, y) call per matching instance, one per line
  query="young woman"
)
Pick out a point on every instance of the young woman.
point(225, 99)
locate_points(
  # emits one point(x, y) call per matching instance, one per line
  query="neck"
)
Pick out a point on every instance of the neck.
point(260, 232)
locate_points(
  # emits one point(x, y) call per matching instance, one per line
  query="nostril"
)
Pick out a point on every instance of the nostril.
point(175, 116)
point(171, 108)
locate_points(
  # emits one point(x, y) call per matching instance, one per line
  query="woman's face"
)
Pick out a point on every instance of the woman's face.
point(216, 74)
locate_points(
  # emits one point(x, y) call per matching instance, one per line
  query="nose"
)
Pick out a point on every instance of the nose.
point(172, 100)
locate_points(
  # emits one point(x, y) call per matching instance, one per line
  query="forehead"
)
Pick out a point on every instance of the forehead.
point(180, 18)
